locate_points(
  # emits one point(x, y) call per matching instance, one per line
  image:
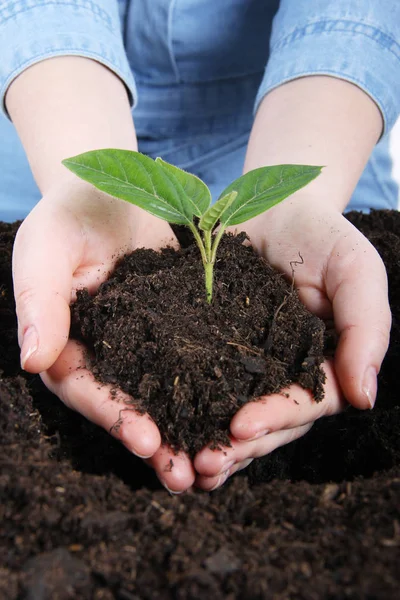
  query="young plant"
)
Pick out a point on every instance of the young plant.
point(182, 198)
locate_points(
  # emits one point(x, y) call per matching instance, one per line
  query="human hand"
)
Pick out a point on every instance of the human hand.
point(342, 278)
point(74, 235)
point(69, 241)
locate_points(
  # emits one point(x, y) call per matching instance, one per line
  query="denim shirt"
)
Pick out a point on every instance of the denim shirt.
point(181, 43)
point(196, 70)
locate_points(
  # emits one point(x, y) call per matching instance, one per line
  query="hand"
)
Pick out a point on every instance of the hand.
point(69, 241)
point(343, 278)
point(75, 234)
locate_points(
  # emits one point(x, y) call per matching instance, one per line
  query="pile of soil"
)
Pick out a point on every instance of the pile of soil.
point(192, 365)
point(80, 517)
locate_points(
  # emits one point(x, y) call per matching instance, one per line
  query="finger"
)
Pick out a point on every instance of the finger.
point(212, 463)
point(209, 484)
point(76, 387)
point(174, 470)
point(357, 285)
point(295, 407)
point(42, 272)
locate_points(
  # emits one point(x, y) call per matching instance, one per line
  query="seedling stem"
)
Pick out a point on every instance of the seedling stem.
point(179, 197)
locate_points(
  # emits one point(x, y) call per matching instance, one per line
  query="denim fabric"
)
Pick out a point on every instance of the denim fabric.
point(215, 158)
point(355, 40)
point(196, 70)
point(33, 30)
point(18, 190)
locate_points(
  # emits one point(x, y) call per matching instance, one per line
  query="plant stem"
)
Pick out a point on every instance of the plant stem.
point(207, 244)
point(211, 253)
point(205, 251)
point(217, 240)
point(209, 273)
point(199, 242)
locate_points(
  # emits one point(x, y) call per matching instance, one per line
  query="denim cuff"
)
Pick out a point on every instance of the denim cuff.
point(35, 30)
point(356, 52)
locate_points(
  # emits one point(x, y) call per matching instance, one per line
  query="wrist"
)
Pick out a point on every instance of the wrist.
point(300, 213)
point(70, 197)
point(65, 106)
point(317, 120)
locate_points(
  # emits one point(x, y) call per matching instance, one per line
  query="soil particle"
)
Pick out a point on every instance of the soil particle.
point(57, 575)
point(316, 520)
point(189, 364)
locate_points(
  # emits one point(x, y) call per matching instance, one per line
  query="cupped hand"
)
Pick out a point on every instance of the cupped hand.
point(339, 276)
point(82, 234)
point(71, 240)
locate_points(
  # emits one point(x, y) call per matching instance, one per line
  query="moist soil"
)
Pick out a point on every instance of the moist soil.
point(80, 517)
point(190, 364)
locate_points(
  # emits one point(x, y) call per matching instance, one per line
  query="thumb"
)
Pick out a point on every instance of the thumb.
point(362, 319)
point(42, 273)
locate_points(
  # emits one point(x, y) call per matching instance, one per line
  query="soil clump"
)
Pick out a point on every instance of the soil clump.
point(191, 365)
point(80, 517)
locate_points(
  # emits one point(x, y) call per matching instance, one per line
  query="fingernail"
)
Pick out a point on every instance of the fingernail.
point(257, 435)
point(369, 386)
point(30, 344)
point(228, 465)
point(140, 455)
point(173, 492)
point(221, 480)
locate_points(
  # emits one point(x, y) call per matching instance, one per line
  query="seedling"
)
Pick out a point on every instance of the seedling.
point(182, 198)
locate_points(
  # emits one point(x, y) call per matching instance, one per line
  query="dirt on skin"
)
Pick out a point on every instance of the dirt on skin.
point(80, 517)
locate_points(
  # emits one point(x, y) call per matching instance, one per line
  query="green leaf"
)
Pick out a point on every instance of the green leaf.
point(262, 188)
point(135, 178)
point(211, 217)
point(194, 188)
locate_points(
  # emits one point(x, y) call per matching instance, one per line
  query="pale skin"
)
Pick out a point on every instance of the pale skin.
point(313, 120)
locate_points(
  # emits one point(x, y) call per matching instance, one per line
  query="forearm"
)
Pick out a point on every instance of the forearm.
point(65, 106)
point(318, 121)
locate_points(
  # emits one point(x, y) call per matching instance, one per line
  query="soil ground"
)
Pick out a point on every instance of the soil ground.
point(82, 518)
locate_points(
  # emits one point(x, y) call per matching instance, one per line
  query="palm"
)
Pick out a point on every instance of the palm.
point(338, 275)
point(86, 232)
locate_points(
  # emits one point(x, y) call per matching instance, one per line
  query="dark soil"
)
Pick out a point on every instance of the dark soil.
point(191, 365)
point(82, 518)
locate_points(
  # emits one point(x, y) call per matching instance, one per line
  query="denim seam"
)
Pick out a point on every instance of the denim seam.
point(139, 76)
point(339, 26)
point(75, 4)
point(182, 146)
point(332, 73)
point(66, 52)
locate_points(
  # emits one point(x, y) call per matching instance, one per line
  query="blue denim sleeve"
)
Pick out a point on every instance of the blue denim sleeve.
point(349, 39)
point(34, 30)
